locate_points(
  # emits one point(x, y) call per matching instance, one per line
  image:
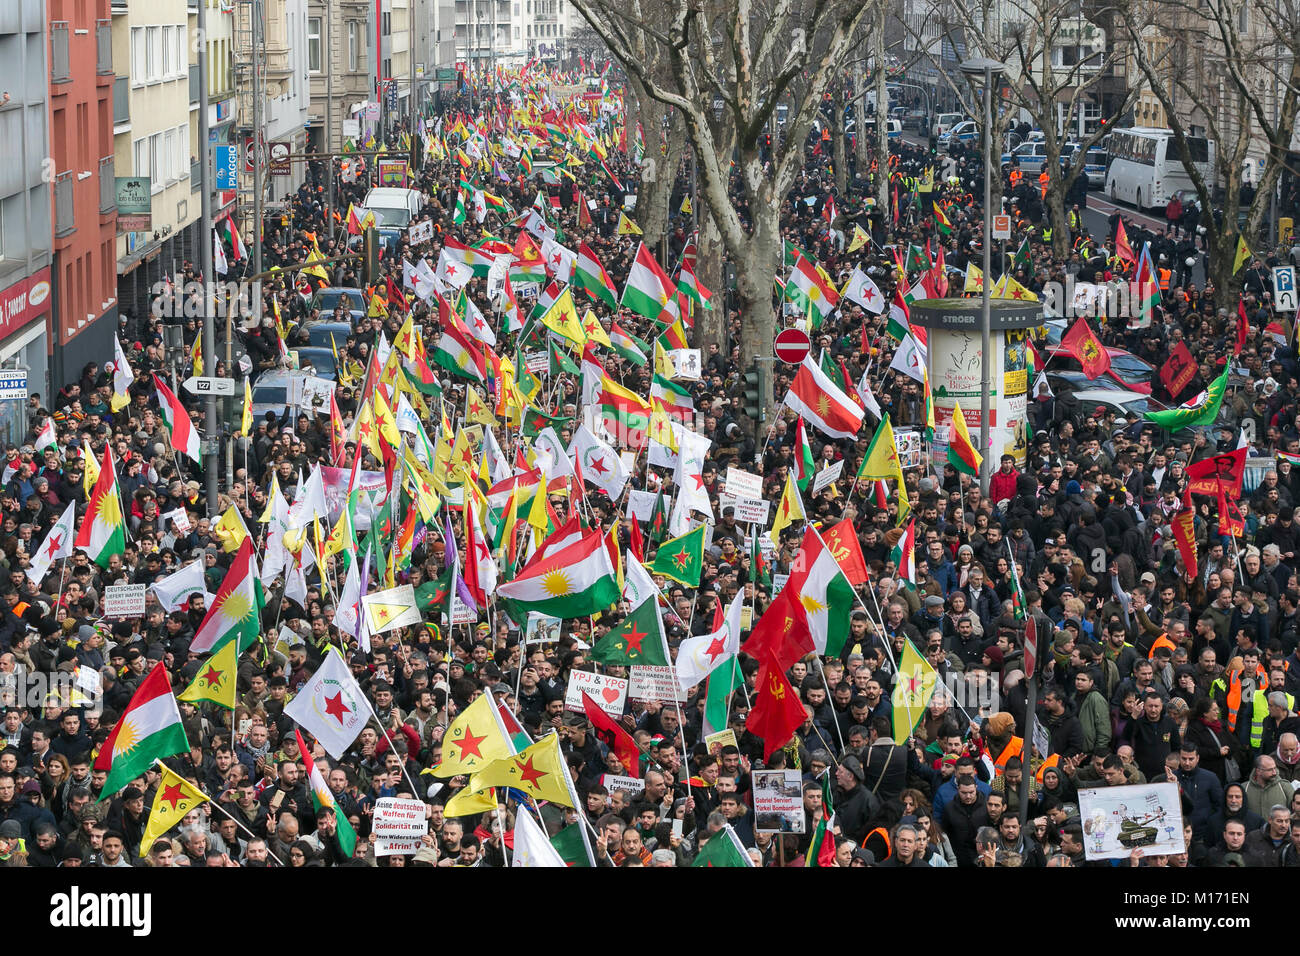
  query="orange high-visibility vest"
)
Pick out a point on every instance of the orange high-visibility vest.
point(1161, 641)
point(1015, 748)
point(1051, 761)
point(1234, 699)
point(884, 834)
point(1164, 279)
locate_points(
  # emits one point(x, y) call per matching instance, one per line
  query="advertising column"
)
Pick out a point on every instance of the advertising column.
point(955, 363)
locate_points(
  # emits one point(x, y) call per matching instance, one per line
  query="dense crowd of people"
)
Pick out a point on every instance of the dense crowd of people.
point(1145, 672)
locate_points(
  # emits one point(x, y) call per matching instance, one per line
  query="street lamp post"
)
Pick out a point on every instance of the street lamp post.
point(988, 69)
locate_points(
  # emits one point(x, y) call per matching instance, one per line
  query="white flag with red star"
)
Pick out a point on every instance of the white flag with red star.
point(330, 706)
point(57, 544)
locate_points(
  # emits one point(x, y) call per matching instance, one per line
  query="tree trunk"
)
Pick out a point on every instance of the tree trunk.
point(654, 218)
point(754, 272)
point(1056, 214)
point(860, 119)
point(837, 136)
point(711, 324)
point(882, 126)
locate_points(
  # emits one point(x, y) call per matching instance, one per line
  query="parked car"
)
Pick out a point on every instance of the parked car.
point(1126, 369)
point(320, 359)
point(322, 331)
point(946, 121)
point(964, 132)
point(327, 300)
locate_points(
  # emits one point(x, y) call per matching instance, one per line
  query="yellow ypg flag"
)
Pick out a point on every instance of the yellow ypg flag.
point(230, 528)
point(216, 679)
point(269, 513)
point(626, 227)
point(974, 279)
point(176, 797)
point(594, 331)
point(562, 319)
point(196, 355)
point(473, 741)
point(246, 420)
point(789, 510)
point(467, 802)
point(476, 410)
point(860, 238)
point(1008, 288)
point(386, 422)
point(686, 205)
point(538, 771)
point(91, 474)
point(1243, 255)
point(916, 679)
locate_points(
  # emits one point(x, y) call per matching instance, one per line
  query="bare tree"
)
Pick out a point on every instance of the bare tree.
point(747, 56)
point(1237, 67)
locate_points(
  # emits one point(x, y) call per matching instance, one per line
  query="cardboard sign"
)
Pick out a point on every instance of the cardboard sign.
point(631, 786)
point(827, 475)
point(653, 682)
point(686, 364)
point(752, 511)
point(420, 232)
point(542, 629)
point(744, 485)
point(778, 582)
point(1179, 369)
point(723, 738)
point(641, 505)
point(124, 600)
point(609, 692)
point(536, 362)
point(398, 826)
point(461, 613)
point(778, 801)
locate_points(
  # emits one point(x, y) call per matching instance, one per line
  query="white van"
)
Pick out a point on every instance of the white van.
point(946, 121)
point(394, 207)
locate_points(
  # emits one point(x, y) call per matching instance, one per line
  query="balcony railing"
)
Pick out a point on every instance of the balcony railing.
point(65, 220)
point(195, 90)
point(196, 172)
point(60, 64)
point(121, 100)
point(107, 186)
point(104, 46)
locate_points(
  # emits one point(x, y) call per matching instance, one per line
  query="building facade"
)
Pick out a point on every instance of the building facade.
point(85, 191)
point(153, 147)
point(339, 68)
point(26, 240)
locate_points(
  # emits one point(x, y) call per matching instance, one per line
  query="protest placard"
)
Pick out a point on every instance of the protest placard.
point(654, 683)
point(778, 801)
point(608, 692)
point(124, 600)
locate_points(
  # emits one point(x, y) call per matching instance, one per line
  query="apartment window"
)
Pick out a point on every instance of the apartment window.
point(179, 57)
point(388, 24)
point(2, 232)
point(139, 72)
point(180, 152)
point(168, 51)
point(153, 53)
point(313, 44)
point(516, 9)
point(157, 162)
point(169, 155)
point(516, 33)
point(354, 46)
point(140, 157)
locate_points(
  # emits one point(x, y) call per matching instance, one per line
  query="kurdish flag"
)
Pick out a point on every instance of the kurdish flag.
point(235, 614)
point(590, 276)
point(322, 797)
point(184, 437)
point(573, 582)
point(904, 556)
point(961, 452)
point(942, 222)
point(148, 729)
point(103, 531)
point(628, 345)
point(648, 287)
point(825, 593)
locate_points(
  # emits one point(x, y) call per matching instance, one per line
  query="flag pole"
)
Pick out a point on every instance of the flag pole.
point(217, 806)
point(384, 730)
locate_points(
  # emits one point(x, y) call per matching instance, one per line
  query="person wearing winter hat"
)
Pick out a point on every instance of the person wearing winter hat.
point(1000, 738)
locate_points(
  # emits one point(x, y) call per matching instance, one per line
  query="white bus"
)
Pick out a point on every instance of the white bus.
point(1146, 166)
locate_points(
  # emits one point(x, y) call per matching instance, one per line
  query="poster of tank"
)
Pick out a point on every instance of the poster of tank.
point(1118, 820)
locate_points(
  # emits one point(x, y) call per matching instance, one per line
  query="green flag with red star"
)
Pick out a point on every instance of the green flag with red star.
point(681, 559)
point(658, 519)
point(638, 639)
point(537, 421)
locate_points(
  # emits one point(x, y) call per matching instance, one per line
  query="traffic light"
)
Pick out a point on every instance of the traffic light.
point(754, 393)
point(370, 256)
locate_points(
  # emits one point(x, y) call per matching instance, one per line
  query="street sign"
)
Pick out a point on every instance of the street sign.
point(1001, 227)
point(791, 346)
point(204, 385)
point(1284, 294)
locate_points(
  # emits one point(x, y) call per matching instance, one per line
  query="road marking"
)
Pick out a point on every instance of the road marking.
point(1106, 207)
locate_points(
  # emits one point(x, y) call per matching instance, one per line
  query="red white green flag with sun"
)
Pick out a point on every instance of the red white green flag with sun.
point(236, 610)
point(149, 728)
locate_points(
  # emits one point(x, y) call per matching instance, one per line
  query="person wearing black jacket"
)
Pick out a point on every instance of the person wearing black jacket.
point(1153, 736)
point(960, 820)
point(854, 805)
point(1064, 730)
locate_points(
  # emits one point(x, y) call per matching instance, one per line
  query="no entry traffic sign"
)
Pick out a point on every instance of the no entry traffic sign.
point(791, 346)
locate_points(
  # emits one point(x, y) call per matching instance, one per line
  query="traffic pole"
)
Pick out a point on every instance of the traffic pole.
point(212, 441)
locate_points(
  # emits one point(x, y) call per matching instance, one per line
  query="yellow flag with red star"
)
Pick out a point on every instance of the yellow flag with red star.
point(538, 771)
point(916, 680)
point(176, 797)
point(215, 682)
point(474, 739)
point(789, 510)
